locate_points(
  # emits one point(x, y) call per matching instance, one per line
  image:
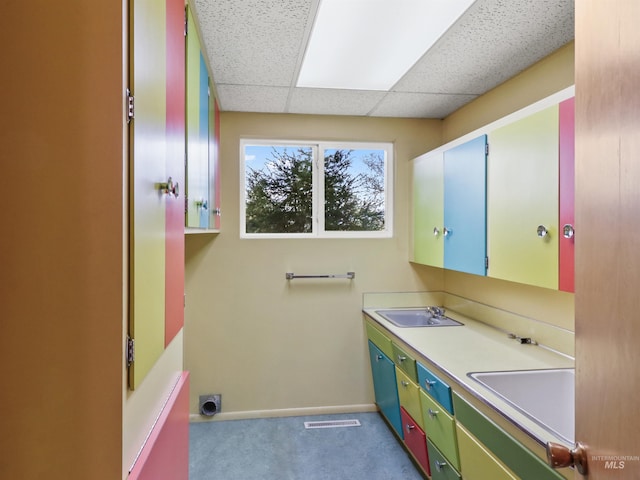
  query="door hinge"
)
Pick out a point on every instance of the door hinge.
point(130, 106)
point(131, 351)
point(486, 263)
point(486, 149)
point(186, 22)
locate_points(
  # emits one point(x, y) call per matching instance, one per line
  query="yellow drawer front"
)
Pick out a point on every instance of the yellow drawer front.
point(409, 394)
point(476, 462)
point(379, 339)
point(440, 428)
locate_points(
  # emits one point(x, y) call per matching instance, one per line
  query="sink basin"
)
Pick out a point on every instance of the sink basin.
point(416, 317)
point(545, 396)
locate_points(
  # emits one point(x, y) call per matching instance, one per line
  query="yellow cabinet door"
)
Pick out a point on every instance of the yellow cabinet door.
point(478, 463)
point(148, 171)
point(428, 210)
point(409, 395)
point(522, 200)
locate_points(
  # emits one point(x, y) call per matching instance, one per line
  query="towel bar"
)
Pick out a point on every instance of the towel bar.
point(349, 275)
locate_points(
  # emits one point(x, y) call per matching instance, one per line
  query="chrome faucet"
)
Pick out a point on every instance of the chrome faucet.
point(436, 311)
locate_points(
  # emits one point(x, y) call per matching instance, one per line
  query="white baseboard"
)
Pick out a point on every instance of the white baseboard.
point(284, 412)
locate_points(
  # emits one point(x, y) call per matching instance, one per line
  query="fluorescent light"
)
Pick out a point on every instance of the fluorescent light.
point(370, 44)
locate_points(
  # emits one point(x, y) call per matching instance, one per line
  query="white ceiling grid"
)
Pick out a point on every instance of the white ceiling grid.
point(256, 47)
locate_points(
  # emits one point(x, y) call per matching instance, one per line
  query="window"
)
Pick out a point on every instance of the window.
point(305, 189)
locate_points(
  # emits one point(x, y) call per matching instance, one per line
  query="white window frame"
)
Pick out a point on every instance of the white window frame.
point(318, 148)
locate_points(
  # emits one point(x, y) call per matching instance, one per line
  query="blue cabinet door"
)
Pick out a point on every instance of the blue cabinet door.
point(465, 207)
point(384, 387)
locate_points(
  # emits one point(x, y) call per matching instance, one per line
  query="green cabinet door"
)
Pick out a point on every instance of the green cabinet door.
point(522, 200)
point(428, 210)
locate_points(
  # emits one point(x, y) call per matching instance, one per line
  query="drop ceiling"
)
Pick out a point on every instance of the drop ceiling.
point(255, 50)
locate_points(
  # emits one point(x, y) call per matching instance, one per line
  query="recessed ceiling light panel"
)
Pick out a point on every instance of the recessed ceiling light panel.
point(370, 44)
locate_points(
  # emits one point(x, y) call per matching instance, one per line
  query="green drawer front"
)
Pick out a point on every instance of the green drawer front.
point(476, 462)
point(440, 428)
point(409, 395)
point(405, 361)
point(441, 469)
point(379, 339)
point(514, 455)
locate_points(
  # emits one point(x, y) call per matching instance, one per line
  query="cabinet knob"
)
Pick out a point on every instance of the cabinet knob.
point(568, 231)
point(170, 188)
point(440, 465)
point(446, 232)
point(542, 231)
point(410, 427)
point(429, 383)
point(433, 413)
point(436, 231)
point(401, 358)
point(378, 357)
point(559, 456)
point(404, 383)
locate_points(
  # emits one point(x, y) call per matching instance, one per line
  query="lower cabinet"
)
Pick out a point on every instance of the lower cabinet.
point(446, 435)
point(441, 469)
point(524, 464)
point(440, 427)
point(415, 440)
point(477, 462)
point(409, 395)
point(383, 371)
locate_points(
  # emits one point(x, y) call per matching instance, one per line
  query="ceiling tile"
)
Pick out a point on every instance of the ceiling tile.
point(326, 101)
point(249, 98)
point(254, 42)
point(492, 42)
point(419, 105)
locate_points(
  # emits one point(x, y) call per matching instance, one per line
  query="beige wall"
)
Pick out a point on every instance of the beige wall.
point(269, 344)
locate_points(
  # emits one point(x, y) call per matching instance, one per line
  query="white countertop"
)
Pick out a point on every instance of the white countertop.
point(478, 347)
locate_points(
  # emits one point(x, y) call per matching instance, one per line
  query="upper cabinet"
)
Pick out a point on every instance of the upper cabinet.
point(523, 200)
point(156, 242)
point(449, 191)
point(502, 204)
point(203, 139)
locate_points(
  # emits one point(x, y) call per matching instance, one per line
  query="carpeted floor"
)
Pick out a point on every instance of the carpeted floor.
point(282, 449)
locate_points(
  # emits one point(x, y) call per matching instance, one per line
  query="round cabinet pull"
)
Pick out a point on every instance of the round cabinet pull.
point(446, 232)
point(436, 231)
point(401, 358)
point(440, 465)
point(404, 384)
point(433, 413)
point(170, 188)
point(410, 427)
point(559, 456)
point(429, 383)
point(568, 231)
point(378, 357)
point(542, 231)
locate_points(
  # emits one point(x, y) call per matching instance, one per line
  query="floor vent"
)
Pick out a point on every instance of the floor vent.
point(332, 424)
